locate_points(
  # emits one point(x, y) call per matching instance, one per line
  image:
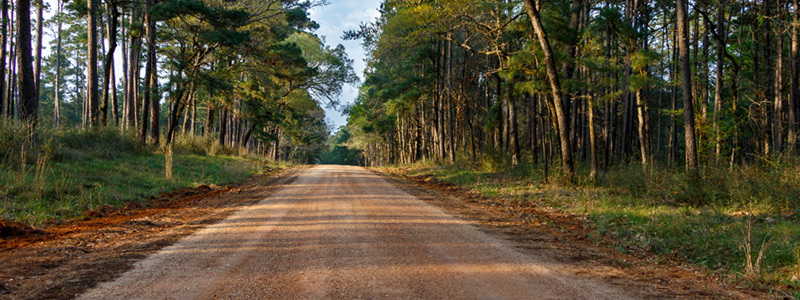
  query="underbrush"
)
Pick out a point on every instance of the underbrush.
point(742, 224)
point(60, 174)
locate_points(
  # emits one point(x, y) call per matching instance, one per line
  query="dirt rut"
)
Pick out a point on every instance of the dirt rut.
point(340, 232)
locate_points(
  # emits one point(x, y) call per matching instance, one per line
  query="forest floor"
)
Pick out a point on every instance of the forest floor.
point(330, 226)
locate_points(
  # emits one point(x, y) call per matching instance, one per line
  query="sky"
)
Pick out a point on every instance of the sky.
point(334, 19)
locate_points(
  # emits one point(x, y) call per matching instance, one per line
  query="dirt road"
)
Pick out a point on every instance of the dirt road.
point(345, 233)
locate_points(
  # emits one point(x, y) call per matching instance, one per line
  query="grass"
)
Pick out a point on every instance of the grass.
point(713, 221)
point(64, 173)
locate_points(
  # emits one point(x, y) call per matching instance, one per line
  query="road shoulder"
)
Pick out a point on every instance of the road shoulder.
point(68, 259)
point(563, 238)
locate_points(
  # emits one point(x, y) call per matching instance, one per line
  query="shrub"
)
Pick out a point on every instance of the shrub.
point(186, 144)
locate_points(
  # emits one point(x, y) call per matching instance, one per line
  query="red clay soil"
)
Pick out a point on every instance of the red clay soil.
point(564, 236)
point(11, 229)
point(62, 261)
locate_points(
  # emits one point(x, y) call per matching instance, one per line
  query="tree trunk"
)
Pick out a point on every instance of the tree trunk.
point(686, 84)
point(37, 59)
point(125, 104)
point(641, 100)
point(794, 96)
point(451, 134)
point(91, 63)
point(151, 70)
point(769, 83)
point(57, 84)
point(592, 140)
point(777, 132)
point(108, 63)
point(114, 103)
point(209, 126)
point(145, 108)
point(555, 86)
point(29, 104)
point(177, 108)
point(186, 117)
point(248, 134)
point(641, 104)
point(132, 81)
point(194, 115)
point(4, 101)
point(705, 75)
point(513, 143)
point(146, 95)
point(223, 126)
point(570, 102)
point(12, 61)
point(719, 81)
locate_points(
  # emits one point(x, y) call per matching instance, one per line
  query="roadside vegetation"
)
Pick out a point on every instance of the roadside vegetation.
point(207, 91)
point(741, 225)
point(64, 173)
point(671, 126)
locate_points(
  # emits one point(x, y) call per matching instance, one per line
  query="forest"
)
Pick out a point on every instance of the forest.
point(690, 83)
point(111, 102)
point(249, 74)
point(670, 126)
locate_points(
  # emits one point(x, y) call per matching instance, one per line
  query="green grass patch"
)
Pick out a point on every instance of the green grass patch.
point(710, 221)
point(64, 173)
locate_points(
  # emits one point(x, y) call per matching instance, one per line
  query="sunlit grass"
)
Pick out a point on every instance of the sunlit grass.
point(659, 211)
point(68, 172)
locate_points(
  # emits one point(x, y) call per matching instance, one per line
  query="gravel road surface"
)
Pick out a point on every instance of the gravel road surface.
point(342, 232)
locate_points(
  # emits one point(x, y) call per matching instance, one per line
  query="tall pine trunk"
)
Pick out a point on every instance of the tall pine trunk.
point(57, 84)
point(555, 86)
point(11, 79)
point(152, 77)
point(37, 58)
point(132, 75)
point(592, 140)
point(4, 101)
point(146, 96)
point(29, 104)
point(686, 87)
point(91, 63)
point(777, 131)
point(794, 96)
point(208, 128)
point(108, 62)
point(719, 81)
point(223, 126)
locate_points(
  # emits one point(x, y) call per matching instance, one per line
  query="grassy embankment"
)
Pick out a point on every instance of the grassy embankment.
point(713, 222)
point(64, 173)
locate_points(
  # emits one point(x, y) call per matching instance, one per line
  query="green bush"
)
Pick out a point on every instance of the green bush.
point(185, 144)
point(101, 142)
point(15, 141)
